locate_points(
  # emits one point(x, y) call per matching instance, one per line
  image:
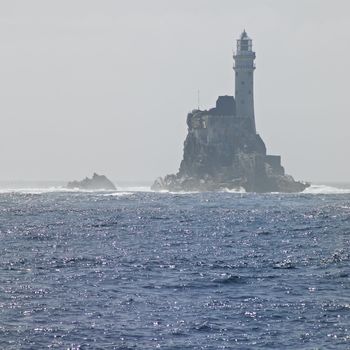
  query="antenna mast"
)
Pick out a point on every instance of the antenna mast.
point(198, 98)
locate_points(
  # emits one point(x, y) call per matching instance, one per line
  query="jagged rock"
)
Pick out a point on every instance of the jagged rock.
point(97, 182)
point(223, 151)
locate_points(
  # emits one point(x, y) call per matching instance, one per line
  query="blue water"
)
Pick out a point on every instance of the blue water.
point(140, 270)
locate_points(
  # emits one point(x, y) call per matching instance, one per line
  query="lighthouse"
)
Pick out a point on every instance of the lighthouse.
point(244, 82)
point(222, 149)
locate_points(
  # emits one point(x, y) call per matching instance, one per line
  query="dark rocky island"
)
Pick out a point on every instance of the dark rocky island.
point(222, 149)
point(97, 182)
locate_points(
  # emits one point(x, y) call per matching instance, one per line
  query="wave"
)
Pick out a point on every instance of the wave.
point(180, 192)
point(117, 194)
point(324, 189)
point(33, 190)
point(57, 189)
point(236, 190)
point(223, 190)
point(122, 191)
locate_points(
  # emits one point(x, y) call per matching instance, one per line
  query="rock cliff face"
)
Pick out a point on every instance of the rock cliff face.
point(97, 182)
point(223, 151)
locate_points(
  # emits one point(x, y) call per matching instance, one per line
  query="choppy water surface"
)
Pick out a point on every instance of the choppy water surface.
point(138, 270)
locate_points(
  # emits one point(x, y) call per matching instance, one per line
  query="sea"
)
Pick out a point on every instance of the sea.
point(136, 269)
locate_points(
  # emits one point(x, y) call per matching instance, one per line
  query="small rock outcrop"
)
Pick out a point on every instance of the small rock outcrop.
point(223, 151)
point(97, 182)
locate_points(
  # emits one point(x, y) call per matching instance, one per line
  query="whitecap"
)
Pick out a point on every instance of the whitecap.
point(117, 194)
point(324, 189)
point(34, 190)
point(234, 190)
point(40, 190)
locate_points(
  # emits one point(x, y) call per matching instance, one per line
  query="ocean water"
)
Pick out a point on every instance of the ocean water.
point(134, 269)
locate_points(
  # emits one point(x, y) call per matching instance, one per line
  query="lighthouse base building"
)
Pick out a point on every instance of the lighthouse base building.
point(222, 149)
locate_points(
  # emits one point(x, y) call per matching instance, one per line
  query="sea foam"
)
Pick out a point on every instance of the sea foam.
point(325, 189)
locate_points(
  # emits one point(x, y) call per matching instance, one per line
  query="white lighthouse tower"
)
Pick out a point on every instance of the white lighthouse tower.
point(244, 83)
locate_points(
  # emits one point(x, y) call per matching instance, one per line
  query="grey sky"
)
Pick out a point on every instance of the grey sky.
point(106, 85)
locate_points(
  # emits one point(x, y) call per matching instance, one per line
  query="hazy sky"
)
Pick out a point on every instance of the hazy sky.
point(106, 86)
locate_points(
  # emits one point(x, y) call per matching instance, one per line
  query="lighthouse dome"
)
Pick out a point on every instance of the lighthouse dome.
point(244, 36)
